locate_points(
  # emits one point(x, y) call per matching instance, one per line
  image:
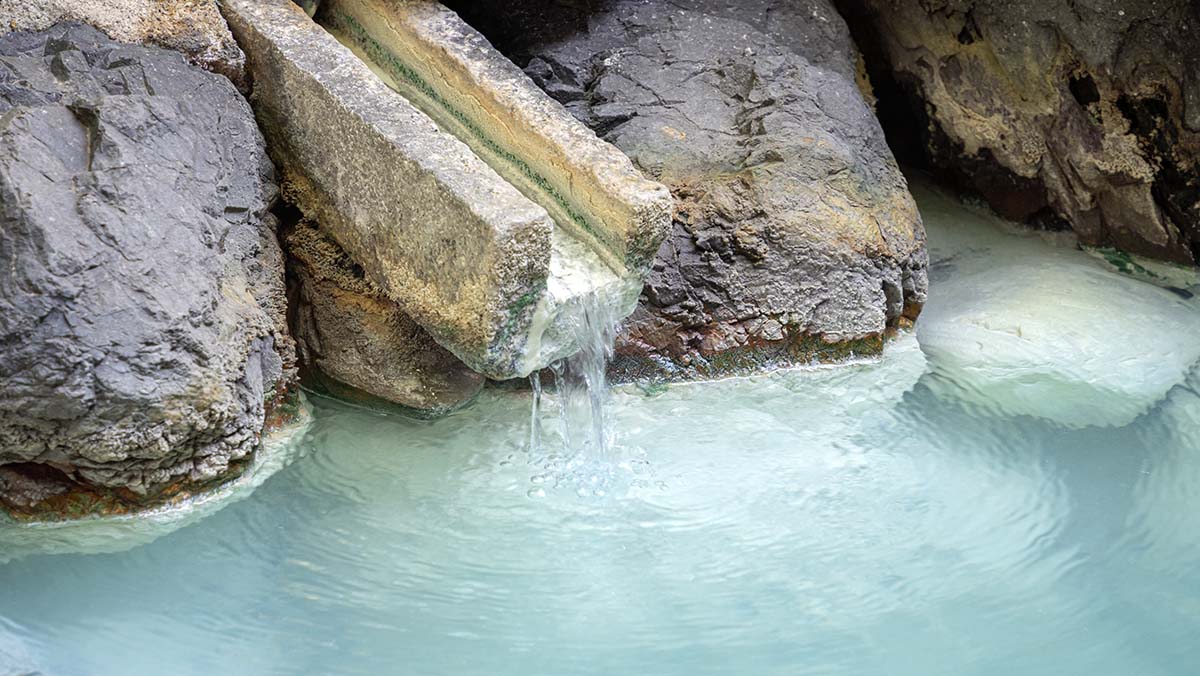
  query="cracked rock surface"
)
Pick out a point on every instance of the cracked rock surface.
point(142, 308)
point(794, 225)
point(1079, 113)
point(192, 27)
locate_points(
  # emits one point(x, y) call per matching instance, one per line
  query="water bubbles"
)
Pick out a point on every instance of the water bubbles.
point(581, 454)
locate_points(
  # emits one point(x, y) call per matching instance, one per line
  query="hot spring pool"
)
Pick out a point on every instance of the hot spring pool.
point(1018, 495)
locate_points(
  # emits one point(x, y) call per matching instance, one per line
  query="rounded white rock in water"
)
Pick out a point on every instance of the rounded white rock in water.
point(1019, 326)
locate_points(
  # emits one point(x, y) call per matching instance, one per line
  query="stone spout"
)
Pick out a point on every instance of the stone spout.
point(473, 200)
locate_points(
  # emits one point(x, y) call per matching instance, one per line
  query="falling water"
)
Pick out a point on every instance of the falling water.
point(583, 451)
point(535, 430)
point(582, 383)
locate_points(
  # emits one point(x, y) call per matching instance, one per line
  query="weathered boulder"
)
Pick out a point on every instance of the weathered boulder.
point(493, 260)
point(1059, 112)
point(795, 235)
point(142, 309)
point(193, 27)
point(353, 340)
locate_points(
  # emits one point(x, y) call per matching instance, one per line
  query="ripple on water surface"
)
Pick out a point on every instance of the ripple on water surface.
point(851, 520)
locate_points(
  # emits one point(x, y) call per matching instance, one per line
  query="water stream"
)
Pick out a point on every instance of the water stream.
point(1018, 494)
point(582, 454)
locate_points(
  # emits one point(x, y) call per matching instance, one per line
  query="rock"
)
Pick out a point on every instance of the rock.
point(449, 71)
point(483, 268)
point(142, 311)
point(1017, 327)
point(24, 537)
point(795, 235)
point(193, 27)
point(1084, 114)
point(349, 333)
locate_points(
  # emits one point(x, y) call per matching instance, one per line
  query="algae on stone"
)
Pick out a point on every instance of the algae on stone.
point(480, 266)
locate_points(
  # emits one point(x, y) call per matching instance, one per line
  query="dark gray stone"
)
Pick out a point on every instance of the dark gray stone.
point(193, 27)
point(142, 309)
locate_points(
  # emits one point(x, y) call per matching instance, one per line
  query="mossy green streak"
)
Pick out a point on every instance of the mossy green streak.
point(404, 73)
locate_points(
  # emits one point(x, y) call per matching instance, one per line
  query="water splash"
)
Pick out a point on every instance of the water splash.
point(582, 452)
point(583, 384)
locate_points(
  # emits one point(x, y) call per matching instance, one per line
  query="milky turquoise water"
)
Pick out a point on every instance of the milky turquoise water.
point(1021, 497)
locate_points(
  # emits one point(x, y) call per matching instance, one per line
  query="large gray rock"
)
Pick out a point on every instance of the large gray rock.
point(795, 235)
point(193, 27)
point(482, 267)
point(353, 340)
point(142, 310)
point(1079, 113)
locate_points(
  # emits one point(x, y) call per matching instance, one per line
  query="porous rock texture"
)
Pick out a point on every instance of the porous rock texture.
point(1061, 112)
point(142, 309)
point(795, 234)
point(193, 27)
point(353, 340)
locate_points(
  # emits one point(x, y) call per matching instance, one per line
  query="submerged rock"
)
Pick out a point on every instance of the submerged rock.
point(193, 27)
point(101, 533)
point(349, 333)
point(1056, 111)
point(1018, 327)
point(143, 335)
point(795, 235)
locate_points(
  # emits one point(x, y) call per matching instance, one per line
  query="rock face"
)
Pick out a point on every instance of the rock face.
point(142, 308)
point(795, 234)
point(193, 27)
point(1058, 112)
point(349, 333)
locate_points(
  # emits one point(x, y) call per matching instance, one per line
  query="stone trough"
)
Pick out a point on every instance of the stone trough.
point(478, 204)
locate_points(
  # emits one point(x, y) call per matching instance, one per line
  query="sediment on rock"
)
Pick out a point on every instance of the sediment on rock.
point(143, 336)
point(794, 228)
point(1059, 114)
point(479, 265)
point(355, 343)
